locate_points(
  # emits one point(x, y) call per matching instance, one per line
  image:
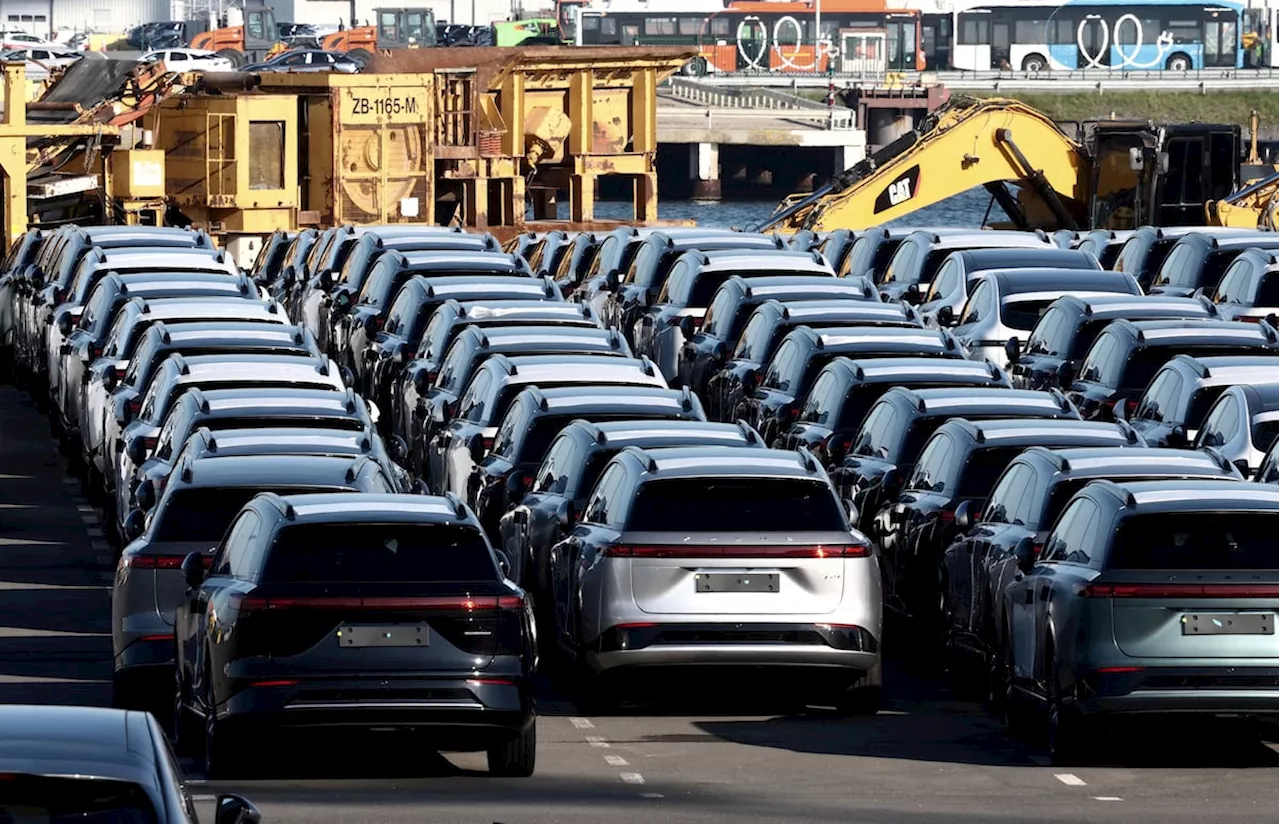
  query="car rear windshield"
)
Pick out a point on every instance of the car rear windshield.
point(1264, 433)
point(1196, 540)
point(1145, 362)
point(79, 800)
point(1023, 315)
point(203, 514)
point(735, 505)
point(545, 429)
point(379, 553)
point(983, 468)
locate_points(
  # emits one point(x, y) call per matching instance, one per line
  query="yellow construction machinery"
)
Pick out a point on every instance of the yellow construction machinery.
point(1256, 206)
point(1112, 174)
point(253, 39)
point(392, 29)
point(440, 136)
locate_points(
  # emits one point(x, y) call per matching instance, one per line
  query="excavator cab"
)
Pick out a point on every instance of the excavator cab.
point(405, 28)
point(259, 29)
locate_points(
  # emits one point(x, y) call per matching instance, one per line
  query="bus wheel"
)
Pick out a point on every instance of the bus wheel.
point(697, 67)
point(1034, 63)
point(1178, 63)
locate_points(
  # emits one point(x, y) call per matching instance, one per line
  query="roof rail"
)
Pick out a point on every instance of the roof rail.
point(748, 432)
point(1130, 434)
point(180, 363)
point(197, 396)
point(539, 397)
point(162, 332)
point(646, 366)
point(1219, 459)
point(1063, 402)
point(650, 464)
point(806, 458)
point(686, 398)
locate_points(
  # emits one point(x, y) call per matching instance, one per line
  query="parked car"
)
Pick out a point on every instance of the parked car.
point(307, 60)
point(425, 572)
point(1198, 261)
point(920, 255)
point(1171, 410)
point(189, 60)
point(1248, 289)
point(961, 271)
point(1242, 424)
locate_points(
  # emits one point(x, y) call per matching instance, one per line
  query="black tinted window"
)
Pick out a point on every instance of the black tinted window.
point(1144, 363)
point(66, 800)
point(983, 469)
point(1196, 540)
point(735, 505)
point(1023, 314)
point(379, 553)
point(203, 514)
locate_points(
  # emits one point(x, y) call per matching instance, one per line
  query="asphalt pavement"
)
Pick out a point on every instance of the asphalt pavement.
point(693, 751)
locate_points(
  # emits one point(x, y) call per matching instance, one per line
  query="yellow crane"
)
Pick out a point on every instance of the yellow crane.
point(1114, 174)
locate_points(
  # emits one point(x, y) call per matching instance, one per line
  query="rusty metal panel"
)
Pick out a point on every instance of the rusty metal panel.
point(384, 140)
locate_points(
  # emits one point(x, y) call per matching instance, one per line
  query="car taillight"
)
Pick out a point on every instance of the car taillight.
point(526, 481)
point(947, 516)
point(1247, 319)
point(849, 550)
point(788, 412)
point(1181, 591)
point(487, 442)
point(1130, 405)
point(157, 561)
point(491, 682)
point(750, 381)
point(483, 603)
point(95, 352)
point(1116, 670)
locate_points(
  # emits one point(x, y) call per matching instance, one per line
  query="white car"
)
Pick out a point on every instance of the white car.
point(189, 60)
point(41, 61)
point(22, 40)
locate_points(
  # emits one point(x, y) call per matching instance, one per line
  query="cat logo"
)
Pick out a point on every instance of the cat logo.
point(899, 191)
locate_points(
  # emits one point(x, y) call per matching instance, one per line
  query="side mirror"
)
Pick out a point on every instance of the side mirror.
point(233, 809)
point(325, 280)
point(1025, 554)
point(946, 316)
point(964, 516)
point(110, 378)
point(851, 509)
point(64, 324)
point(891, 482)
point(611, 280)
point(135, 523)
point(193, 569)
point(289, 276)
point(342, 298)
point(1064, 375)
point(422, 381)
point(418, 488)
point(720, 353)
point(145, 495)
point(397, 354)
point(1013, 348)
point(397, 448)
point(687, 327)
point(348, 377)
point(1242, 465)
point(1177, 436)
point(1120, 412)
point(571, 513)
point(371, 326)
point(477, 449)
point(136, 449)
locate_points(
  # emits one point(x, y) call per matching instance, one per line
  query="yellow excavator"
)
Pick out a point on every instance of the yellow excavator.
point(1113, 174)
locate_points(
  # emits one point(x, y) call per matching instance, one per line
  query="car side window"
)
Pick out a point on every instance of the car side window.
point(1268, 291)
point(149, 401)
point(455, 356)
point(1072, 540)
point(721, 306)
point(430, 333)
point(902, 263)
point(551, 474)
point(978, 306)
point(931, 469)
point(946, 282)
point(597, 509)
point(873, 438)
point(1174, 266)
point(1045, 339)
point(229, 559)
point(375, 284)
point(1026, 505)
point(748, 342)
point(164, 438)
point(1235, 283)
point(1222, 423)
point(471, 407)
point(400, 313)
point(1160, 402)
point(1096, 361)
point(823, 399)
point(97, 308)
point(1006, 496)
point(504, 441)
point(782, 367)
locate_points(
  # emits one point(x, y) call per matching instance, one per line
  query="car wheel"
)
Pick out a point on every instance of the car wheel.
point(1066, 732)
point(222, 758)
point(181, 732)
point(863, 697)
point(516, 758)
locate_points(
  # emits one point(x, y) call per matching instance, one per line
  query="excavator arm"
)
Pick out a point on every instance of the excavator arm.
point(1255, 206)
point(967, 143)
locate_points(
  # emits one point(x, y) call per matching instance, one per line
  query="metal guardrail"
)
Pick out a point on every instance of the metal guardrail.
point(1093, 80)
point(755, 102)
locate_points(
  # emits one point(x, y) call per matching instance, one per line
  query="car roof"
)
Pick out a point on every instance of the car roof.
point(88, 742)
point(205, 305)
point(491, 337)
point(1221, 369)
point(1033, 431)
point(462, 260)
point(162, 257)
point(1174, 332)
point(228, 331)
point(282, 440)
point(254, 470)
point(855, 338)
point(575, 369)
point(802, 311)
point(986, 238)
point(576, 400)
point(1259, 394)
point(1190, 495)
point(509, 310)
point(316, 402)
point(721, 461)
point(974, 400)
point(477, 287)
point(787, 261)
point(652, 433)
point(1137, 306)
point(1057, 281)
point(917, 368)
point(374, 507)
point(803, 285)
point(249, 366)
point(1048, 256)
point(1117, 462)
point(1244, 240)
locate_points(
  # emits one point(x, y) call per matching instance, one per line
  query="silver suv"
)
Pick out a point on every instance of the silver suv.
point(702, 555)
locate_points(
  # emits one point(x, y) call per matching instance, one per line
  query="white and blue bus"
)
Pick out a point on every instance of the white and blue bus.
point(1134, 35)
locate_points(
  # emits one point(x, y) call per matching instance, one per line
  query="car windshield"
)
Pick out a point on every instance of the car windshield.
point(1196, 541)
point(735, 505)
point(203, 513)
point(379, 553)
point(50, 800)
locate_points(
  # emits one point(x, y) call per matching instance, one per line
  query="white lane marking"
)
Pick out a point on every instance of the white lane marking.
point(84, 509)
point(597, 741)
point(4, 476)
point(1107, 798)
point(95, 532)
point(615, 761)
point(40, 679)
point(29, 542)
point(1069, 779)
point(28, 632)
point(68, 480)
point(632, 778)
point(17, 506)
point(582, 723)
point(652, 795)
point(204, 797)
point(6, 586)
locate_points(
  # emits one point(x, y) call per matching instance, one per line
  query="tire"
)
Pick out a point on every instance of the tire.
point(1178, 63)
point(516, 758)
point(234, 55)
point(1067, 735)
point(182, 732)
point(361, 56)
point(223, 758)
point(1034, 63)
point(864, 697)
point(697, 67)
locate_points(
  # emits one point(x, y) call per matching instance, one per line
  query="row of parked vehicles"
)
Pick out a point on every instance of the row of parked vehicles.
point(368, 479)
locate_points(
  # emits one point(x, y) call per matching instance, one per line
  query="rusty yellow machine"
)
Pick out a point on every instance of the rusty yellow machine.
point(443, 136)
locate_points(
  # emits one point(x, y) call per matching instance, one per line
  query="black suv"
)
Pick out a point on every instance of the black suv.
point(356, 610)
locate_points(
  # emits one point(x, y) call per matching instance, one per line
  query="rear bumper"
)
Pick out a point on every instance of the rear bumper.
point(458, 713)
point(1209, 691)
point(712, 644)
